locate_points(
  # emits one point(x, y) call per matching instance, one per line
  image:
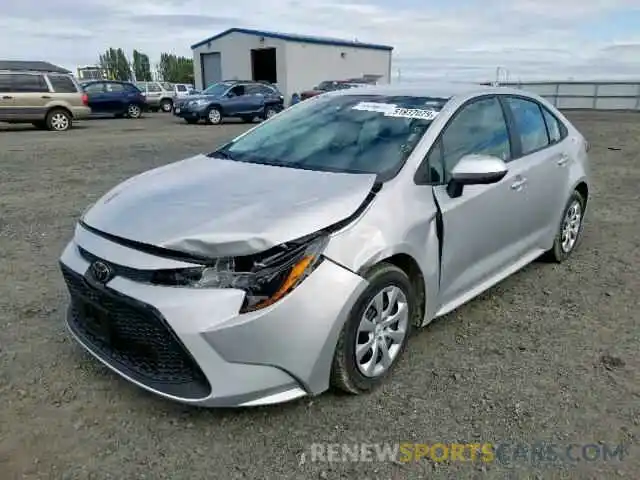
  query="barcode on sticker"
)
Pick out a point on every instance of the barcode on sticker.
point(412, 113)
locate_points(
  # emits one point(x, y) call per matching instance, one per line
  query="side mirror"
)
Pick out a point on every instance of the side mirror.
point(476, 170)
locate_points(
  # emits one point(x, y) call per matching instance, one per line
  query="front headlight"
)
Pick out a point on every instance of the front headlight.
point(265, 277)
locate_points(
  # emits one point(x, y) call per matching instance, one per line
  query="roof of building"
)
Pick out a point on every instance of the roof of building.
point(31, 66)
point(292, 37)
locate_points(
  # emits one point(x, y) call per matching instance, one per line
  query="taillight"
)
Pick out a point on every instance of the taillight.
point(85, 99)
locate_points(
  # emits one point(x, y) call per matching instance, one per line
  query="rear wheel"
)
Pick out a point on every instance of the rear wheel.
point(134, 111)
point(569, 231)
point(58, 120)
point(376, 332)
point(166, 105)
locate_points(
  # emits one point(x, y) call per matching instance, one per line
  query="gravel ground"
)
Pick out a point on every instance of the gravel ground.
point(549, 354)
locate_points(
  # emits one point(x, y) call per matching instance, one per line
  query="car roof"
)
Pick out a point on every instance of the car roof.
point(429, 89)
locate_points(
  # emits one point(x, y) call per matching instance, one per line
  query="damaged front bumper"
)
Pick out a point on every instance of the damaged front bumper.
point(191, 344)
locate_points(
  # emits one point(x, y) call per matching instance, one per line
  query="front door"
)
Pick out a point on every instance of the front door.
point(98, 99)
point(480, 227)
point(30, 96)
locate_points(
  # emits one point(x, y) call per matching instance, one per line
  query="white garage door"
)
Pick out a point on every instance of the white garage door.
point(211, 68)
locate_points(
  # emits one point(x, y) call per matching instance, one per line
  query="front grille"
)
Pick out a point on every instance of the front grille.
point(132, 337)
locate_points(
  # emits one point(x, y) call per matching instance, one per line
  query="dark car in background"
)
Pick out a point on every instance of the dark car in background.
point(246, 100)
point(111, 97)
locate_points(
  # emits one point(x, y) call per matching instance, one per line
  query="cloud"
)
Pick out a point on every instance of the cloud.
point(459, 39)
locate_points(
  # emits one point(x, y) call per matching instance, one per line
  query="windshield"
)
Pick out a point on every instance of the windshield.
point(216, 89)
point(346, 133)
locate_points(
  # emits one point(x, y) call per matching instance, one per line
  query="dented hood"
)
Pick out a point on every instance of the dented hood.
point(212, 207)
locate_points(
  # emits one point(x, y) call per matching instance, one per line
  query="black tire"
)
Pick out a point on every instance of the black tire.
point(269, 112)
point(134, 111)
point(213, 119)
point(191, 121)
point(166, 105)
point(345, 375)
point(557, 254)
point(58, 120)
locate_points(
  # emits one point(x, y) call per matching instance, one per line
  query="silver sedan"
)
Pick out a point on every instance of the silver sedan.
point(301, 254)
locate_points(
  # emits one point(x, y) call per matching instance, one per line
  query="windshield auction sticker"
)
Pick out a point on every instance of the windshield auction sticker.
point(375, 107)
point(412, 113)
point(391, 110)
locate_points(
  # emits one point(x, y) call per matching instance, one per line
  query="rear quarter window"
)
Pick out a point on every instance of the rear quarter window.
point(62, 84)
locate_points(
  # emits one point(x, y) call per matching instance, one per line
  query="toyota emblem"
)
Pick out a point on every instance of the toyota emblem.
point(101, 271)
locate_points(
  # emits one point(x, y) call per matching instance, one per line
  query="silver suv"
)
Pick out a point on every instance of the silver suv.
point(159, 95)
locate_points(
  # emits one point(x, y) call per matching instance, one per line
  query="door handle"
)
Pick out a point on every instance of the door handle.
point(45, 96)
point(517, 185)
point(7, 97)
point(563, 160)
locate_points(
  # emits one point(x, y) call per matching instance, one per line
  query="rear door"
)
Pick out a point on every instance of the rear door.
point(154, 93)
point(30, 95)
point(65, 90)
point(481, 227)
point(543, 165)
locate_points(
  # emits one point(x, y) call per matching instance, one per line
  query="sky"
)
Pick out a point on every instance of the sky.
point(457, 39)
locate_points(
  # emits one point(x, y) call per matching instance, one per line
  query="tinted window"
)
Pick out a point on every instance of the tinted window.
point(130, 87)
point(530, 124)
point(553, 126)
point(238, 90)
point(181, 88)
point(479, 128)
point(351, 133)
point(29, 83)
point(115, 87)
point(5, 83)
point(62, 84)
point(93, 87)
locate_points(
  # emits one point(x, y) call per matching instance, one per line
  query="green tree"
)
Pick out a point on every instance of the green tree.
point(115, 62)
point(141, 66)
point(175, 69)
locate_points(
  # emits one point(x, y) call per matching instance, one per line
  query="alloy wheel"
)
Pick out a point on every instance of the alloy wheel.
point(381, 331)
point(133, 111)
point(214, 116)
point(571, 226)
point(59, 121)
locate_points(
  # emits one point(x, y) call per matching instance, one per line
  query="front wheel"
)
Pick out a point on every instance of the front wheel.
point(570, 230)
point(214, 116)
point(376, 332)
point(269, 112)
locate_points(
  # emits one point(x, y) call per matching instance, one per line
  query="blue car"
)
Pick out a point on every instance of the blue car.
point(240, 99)
point(110, 97)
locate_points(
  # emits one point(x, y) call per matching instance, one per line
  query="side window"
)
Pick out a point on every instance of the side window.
point(529, 123)
point(115, 87)
point(181, 88)
point(479, 128)
point(553, 126)
point(94, 88)
point(62, 84)
point(153, 87)
point(238, 90)
point(24, 83)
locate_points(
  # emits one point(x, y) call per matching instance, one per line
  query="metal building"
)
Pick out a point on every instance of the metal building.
point(293, 62)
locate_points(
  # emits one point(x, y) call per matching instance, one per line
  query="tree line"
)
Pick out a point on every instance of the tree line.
point(171, 68)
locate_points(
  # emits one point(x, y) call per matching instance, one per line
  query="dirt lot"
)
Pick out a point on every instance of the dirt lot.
point(550, 354)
